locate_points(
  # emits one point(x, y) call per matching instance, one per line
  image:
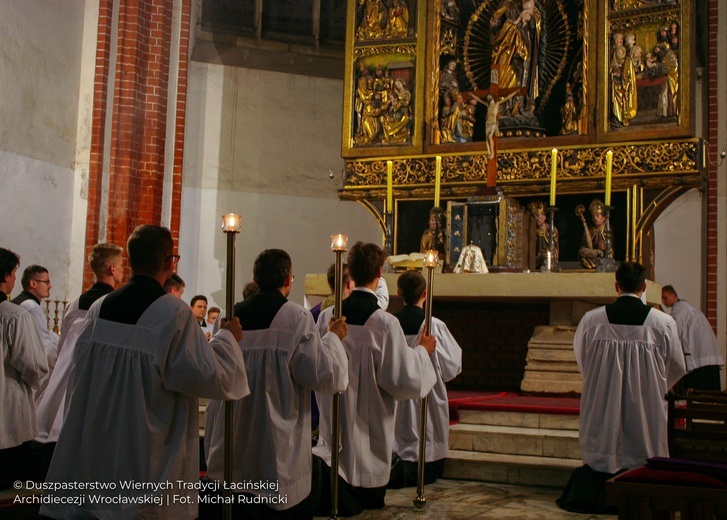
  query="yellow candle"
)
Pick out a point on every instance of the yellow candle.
point(553, 174)
point(437, 180)
point(609, 162)
point(389, 186)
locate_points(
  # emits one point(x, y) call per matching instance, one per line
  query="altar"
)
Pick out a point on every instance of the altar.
point(515, 329)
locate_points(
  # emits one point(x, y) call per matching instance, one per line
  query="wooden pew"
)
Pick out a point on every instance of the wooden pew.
point(693, 480)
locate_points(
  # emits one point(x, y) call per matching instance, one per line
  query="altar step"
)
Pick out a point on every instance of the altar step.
point(532, 449)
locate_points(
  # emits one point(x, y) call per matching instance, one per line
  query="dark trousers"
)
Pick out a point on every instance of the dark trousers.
point(14, 465)
point(405, 473)
point(702, 378)
point(352, 500)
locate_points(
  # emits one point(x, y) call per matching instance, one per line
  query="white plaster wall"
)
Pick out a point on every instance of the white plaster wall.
point(678, 247)
point(261, 144)
point(40, 54)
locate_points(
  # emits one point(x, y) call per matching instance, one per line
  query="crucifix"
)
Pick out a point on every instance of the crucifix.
point(493, 101)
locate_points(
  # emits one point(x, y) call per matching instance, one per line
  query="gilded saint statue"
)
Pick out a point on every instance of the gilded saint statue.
point(545, 256)
point(593, 242)
point(624, 103)
point(434, 236)
point(668, 66)
point(396, 123)
point(398, 24)
point(374, 15)
point(515, 35)
point(568, 114)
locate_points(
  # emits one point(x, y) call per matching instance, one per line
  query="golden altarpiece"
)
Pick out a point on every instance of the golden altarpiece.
point(492, 87)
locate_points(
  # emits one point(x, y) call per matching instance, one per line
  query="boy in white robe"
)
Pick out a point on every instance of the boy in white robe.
point(285, 358)
point(447, 362)
point(132, 413)
point(382, 369)
point(24, 364)
point(702, 354)
point(630, 356)
point(105, 262)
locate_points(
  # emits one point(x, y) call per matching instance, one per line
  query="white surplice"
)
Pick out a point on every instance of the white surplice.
point(132, 413)
point(48, 337)
point(50, 401)
point(627, 371)
point(382, 370)
point(271, 439)
point(447, 362)
point(24, 364)
point(698, 340)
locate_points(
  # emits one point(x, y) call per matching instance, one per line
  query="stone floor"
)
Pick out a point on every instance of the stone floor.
point(458, 499)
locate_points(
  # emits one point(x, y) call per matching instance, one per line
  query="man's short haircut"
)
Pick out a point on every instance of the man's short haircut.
point(271, 268)
point(669, 289)
point(102, 256)
point(174, 282)
point(364, 262)
point(197, 298)
point(149, 247)
point(631, 277)
point(411, 285)
point(8, 262)
point(30, 273)
point(331, 276)
point(214, 309)
point(249, 289)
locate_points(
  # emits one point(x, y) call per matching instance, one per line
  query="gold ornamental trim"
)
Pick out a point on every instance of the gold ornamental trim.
point(647, 164)
point(366, 52)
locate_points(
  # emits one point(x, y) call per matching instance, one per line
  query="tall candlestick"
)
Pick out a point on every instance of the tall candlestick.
point(431, 260)
point(609, 162)
point(389, 185)
point(437, 180)
point(553, 174)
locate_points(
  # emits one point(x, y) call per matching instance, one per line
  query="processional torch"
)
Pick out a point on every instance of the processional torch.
point(339, 245)
point(231, 224)
point(430, 262)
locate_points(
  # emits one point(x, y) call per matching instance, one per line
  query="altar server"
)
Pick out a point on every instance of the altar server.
point(24, 364)
point(447, 362)
point(630, 356)
point(382, 369)
point(285, 358)
point(36, 287)
point(105, 262)
point(140, 363)
point(701, 351)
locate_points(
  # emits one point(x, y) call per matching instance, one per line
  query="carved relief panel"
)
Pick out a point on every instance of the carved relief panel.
point(645, 61)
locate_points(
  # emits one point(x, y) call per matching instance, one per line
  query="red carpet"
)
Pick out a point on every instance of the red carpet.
point(509, 402)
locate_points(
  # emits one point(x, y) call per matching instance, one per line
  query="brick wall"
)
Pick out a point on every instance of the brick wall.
point(711, 193)
point(138, 117)
point(494, 339)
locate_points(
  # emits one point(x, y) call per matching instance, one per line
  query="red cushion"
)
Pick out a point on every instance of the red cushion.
point(672, 478)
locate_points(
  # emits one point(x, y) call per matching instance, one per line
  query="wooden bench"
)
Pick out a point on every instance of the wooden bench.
point(693, 480)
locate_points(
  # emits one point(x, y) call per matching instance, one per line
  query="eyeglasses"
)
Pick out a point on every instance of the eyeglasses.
point(41, 281)
point(173, 258)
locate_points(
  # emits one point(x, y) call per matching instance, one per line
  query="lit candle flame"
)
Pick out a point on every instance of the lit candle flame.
point(339, 242)
point(431, 259)
point(231, 223)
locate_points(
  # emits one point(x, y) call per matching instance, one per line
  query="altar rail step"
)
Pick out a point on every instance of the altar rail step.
point(524, 470)
point(531, 449)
